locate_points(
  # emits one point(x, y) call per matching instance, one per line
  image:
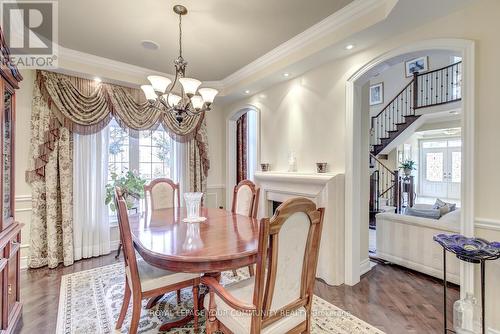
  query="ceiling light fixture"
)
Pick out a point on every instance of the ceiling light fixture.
point(455, 112)
point(349, 47)
point(150, 45)
point(286, 74)
point(188, 103)
point(247, 92)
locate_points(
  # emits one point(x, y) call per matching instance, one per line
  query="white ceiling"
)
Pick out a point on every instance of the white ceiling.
point(220, 36)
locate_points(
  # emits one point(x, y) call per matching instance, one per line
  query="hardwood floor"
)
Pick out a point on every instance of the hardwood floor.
point(394, 299)
point(391, 298)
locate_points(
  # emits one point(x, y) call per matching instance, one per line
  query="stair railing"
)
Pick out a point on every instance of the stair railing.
point(428, 89)
point(384, 184)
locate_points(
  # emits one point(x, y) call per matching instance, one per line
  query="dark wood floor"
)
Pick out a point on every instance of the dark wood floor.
point(391, 298)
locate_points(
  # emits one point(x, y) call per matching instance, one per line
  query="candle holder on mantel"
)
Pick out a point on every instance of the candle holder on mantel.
point(265, 167)
point(321, 167)
point(471, 250)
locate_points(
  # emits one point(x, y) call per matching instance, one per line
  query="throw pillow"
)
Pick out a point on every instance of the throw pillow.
point(424, 213)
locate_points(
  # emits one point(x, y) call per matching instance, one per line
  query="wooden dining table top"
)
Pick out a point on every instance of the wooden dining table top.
point(224, 241)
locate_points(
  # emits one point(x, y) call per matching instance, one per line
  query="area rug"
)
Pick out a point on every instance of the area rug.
point(90, 301)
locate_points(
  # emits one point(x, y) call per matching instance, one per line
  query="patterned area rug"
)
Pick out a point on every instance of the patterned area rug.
point(90, 302)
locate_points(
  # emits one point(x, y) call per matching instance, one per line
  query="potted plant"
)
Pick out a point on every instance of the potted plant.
point(132, 186)
point(407, 166)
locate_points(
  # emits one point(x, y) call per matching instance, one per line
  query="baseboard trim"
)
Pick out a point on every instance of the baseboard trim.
point(493, 331)
point(453, 278)
point(364, 266)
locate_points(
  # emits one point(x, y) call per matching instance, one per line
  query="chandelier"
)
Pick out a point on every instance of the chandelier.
point(192, 99)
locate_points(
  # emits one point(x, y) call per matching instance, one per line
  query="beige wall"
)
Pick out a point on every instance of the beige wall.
point(307, 114)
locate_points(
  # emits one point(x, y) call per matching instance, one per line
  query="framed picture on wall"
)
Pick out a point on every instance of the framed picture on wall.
point(377, 94)
point(416, 65)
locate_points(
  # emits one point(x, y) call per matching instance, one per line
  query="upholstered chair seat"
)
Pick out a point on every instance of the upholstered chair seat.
point(153, 278)
point(240, 322)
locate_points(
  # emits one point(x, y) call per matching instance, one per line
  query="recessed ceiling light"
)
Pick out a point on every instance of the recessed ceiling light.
point(150, 45)
point(349, 47)
point(97, 79)
point(286, 74)
point(455, 112)
point(247, 92)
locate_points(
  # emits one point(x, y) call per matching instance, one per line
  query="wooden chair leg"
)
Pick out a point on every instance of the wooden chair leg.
point(123, 311)
point(211, 324)
point(235, 273)
point(118, 250)
point(136, 315)
point(250, 271)
point(153, 301)
point(179, 299)
point(196, 308)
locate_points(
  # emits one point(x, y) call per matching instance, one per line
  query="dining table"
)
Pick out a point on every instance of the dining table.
point(223, 241)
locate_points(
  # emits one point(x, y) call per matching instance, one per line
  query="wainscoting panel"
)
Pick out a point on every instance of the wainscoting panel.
point(215, 196)
point(23, 215)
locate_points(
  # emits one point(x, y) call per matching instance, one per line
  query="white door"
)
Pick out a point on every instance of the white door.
point(441, 168)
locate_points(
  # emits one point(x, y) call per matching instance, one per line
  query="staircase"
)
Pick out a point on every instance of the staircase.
point(425, 90)
point(384, 187)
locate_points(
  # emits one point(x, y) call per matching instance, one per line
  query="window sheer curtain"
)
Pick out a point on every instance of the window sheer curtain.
point(91, 230)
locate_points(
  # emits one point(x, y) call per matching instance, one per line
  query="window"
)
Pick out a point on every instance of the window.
point(154, 154)
point(151, 154)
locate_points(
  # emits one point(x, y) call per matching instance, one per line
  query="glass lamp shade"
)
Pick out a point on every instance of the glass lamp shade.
point(159, 83)
point(190, 85)
point(149, 92)
point(208, 94)
point(197, 102)
point(172, 99)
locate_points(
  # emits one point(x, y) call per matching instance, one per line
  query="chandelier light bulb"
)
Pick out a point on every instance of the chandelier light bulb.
point(197, 102)
point(190, 85)
point(208, 94)
point(172, 99)
point(159, 83)
point(149, 92)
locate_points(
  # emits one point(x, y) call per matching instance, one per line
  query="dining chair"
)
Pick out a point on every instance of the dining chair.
point(161, 193)
point(144, 280)
point(246, 203)
point(278, 299)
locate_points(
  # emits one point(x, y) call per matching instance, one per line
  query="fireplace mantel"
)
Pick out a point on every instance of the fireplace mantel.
point(326, 190)
point(315, 178)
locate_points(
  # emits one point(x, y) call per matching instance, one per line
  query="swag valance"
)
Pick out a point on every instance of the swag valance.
point(85, 106)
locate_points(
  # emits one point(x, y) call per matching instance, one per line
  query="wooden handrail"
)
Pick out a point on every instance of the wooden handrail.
point(382, 164)
point(440, 69)
point(394, 99)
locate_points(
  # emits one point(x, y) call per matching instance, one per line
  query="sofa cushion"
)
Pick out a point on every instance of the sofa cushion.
point(424, 213)
point(444, 206)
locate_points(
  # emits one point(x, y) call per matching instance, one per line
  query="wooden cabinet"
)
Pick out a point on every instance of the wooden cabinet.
point(10, 230)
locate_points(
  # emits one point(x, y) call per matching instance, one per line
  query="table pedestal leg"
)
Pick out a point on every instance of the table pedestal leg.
point(483, 310)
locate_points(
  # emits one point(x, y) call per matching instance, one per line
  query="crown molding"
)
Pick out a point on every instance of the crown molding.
point(327, 26)
point(487, 224)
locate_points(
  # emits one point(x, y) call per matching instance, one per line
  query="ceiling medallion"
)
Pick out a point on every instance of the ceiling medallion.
point(191, 101)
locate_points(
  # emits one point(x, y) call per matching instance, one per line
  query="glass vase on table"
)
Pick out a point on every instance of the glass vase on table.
point(193, 205)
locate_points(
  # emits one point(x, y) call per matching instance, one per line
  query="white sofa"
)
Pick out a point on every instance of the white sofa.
point(407, 241)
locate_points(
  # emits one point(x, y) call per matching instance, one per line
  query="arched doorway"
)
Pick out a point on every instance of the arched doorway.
point(242, 146)
point(357, 166)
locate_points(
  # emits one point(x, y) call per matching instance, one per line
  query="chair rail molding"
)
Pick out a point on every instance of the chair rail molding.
point(487, 224)
point(354, 149)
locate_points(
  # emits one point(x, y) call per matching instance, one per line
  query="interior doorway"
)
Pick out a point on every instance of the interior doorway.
point(357, 166)
point(242, 147)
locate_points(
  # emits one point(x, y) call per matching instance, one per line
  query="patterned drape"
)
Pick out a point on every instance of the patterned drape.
point(51, 227)
point(64, 104)
point(241, 148)
point(84, 106)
